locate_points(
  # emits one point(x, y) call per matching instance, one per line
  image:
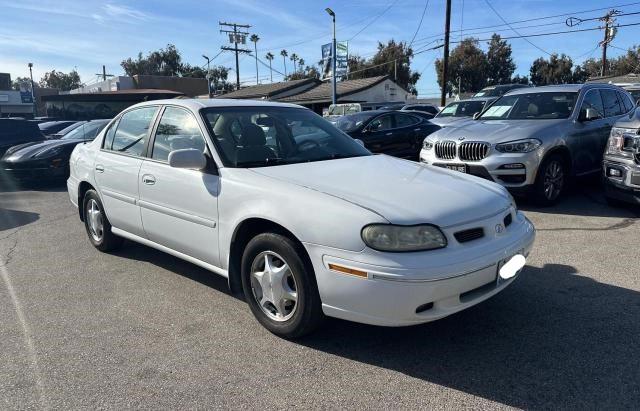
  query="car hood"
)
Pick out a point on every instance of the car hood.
point(498, 131)
point(403, 192)
point(28, 150)
point(448, 121)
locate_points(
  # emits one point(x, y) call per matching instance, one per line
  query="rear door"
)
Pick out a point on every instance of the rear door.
point(118, 164)
point(179, 207)
point(584, 141)
point(378, 134)
point(406, 135)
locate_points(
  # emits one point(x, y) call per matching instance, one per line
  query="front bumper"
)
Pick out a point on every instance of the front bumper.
point(493, 168)
point(625, 187)
point(411, 288)
point(33, 170)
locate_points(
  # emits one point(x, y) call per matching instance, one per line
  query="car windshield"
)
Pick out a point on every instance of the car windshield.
point(66, 130)
point(462, 109)
point(532, 106)
point(268, 136)
point(352, 121)
point(87, 131)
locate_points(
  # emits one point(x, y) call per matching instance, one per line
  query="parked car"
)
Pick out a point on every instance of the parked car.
point(424, 107)
point(621, 164)
point(52, 127)
point(395, 133)
point(498, 90)
point(461, 110)
point(301, 218)
point(532, 140)
point(14, 132)
point(49, 159)
point(67, 129)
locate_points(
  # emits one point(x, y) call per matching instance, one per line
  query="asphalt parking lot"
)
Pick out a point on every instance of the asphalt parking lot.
point(139, 328)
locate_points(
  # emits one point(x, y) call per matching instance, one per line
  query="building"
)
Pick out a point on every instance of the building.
point(14, 103)
point(189, 86)
point(105, 104)
point(316, 95)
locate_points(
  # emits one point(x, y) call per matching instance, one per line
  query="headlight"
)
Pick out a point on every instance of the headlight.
point(48, 152)
point(395, 238)
point(427, 144)
point(621, 142)
point(519, 146)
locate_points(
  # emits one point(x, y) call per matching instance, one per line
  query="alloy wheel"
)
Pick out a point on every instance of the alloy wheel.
point(94, 220)
point(553, 180)
point(273, 286)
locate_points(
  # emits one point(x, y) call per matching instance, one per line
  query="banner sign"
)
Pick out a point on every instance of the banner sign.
point(342, 60)
point(25, 92)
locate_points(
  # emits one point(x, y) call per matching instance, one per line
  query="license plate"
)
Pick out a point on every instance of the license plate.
point(501, 263)
point(456, 167)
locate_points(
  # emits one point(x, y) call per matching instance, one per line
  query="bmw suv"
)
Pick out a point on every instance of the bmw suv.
point(532, 140)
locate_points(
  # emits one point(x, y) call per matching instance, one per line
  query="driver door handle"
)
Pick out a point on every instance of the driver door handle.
point(148, 179)
point(388, 134)
point(100, 168)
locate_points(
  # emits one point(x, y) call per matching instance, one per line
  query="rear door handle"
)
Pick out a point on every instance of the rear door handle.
point(100, 168)
point(148, 179)
point(388, 134)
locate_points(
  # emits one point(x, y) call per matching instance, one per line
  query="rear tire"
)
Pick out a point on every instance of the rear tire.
point(97, 224)
point(551, 181)
point(280, 287)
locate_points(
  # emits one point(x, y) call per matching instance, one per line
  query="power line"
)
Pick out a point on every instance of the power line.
point(514, 30)
point(426, 4)
point(374, 19)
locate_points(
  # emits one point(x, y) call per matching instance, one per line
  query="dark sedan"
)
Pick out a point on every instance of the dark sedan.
point(49, 159)
point(396, 133)
point(51, 127)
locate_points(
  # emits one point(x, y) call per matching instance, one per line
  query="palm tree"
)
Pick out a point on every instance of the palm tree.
point(284, 55)
point(254, 38)
point(301, 63)
point(269, 57)
point(293, 58)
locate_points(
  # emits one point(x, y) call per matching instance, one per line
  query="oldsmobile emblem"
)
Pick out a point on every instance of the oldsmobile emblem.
point(499, 228)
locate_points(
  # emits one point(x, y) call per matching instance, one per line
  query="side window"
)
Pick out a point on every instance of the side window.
point(108, 138)
point(403, 120)
point(132, 131)
point(611, 103)
point(177, 130)
point(592, 100)
point(625, 101)
point(381, 123)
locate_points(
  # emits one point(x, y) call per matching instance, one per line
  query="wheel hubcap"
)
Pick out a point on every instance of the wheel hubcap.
point(553, 180)
point(94, 220)
point(273, 285)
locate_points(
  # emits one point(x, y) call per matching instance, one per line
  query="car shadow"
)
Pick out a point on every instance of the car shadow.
point(584, 198)
point(139, 252)
point(15, 218)
point(554, 339)
point(11, 185)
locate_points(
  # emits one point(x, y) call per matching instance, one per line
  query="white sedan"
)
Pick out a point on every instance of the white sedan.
point(297, 215)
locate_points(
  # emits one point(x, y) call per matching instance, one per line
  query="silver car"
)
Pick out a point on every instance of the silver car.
point(622, 161)
point(532, 140)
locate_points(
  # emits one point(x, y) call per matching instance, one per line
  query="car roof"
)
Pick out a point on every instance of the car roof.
point(464, 100)
point(561, 88)
point(197, 104)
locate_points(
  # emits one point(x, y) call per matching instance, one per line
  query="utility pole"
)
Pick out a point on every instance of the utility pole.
point(445, 60)
point(207, 76)
point(609, 34)
point(104, 74)
point(33, 96)
point(236, 37)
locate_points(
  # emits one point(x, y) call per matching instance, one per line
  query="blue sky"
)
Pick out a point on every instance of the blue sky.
point(65, 34)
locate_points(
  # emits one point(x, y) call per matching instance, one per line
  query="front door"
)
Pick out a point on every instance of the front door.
point(179, 207)
point(117, 167)
point(379, 135)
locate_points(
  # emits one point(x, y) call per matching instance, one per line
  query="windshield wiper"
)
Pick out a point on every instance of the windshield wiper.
point(263, 163)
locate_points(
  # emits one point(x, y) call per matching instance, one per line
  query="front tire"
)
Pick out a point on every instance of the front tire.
point(97, 224)
point(551, 181)
point(280, 287)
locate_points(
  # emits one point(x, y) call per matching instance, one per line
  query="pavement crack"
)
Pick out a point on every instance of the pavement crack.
point(627, 222)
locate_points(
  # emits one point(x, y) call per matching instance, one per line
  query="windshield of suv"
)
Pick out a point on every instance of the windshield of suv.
point(462, 109)
point(532, 106)
point(268, 136)
point(351, 122)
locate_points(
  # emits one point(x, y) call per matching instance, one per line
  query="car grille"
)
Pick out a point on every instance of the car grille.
point(469, 235)
point(471, 151)
point(446, 150)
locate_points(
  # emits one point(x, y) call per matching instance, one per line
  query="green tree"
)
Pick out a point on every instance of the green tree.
point(467, 68)
point(556, 70)
point(163, 62)
point(269, 56)
point(500, 65)
point(254, 39)
point(15, 84)
point(393, 58)
point(61, 81)
point(518, 79)
point(617, 66)
point(284, 55)
point(218, 76)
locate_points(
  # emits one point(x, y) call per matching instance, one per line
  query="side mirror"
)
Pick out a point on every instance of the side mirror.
point(476, 115)
point(360, 142)
point(589, 114)
point(189, 158)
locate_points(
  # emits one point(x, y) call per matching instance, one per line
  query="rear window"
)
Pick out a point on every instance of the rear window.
point(19, 131)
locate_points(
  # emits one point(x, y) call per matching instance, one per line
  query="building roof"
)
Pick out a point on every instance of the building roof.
point(629, 78)
point(322, 92)
point(269, 90)
point(119, 95)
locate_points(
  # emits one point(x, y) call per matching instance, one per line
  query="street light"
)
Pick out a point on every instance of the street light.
point(208, 79)
point(33, 96)
point(334, 96)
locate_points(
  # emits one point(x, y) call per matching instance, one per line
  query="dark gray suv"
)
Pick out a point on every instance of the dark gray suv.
point(532, 140)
